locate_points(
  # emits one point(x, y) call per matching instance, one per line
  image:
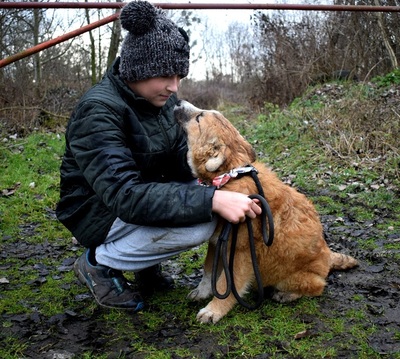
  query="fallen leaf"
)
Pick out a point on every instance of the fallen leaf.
point(11, 190)
point(304, 334)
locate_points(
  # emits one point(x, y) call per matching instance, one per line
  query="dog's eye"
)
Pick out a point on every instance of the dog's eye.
point(198, 117)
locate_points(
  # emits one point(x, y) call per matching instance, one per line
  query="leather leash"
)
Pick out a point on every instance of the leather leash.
point(222, 246)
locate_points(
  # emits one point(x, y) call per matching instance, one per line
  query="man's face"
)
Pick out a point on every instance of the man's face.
point(156, 90)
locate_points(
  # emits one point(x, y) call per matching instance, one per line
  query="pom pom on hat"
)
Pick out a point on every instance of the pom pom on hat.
point(138, 17)
point(154, 45)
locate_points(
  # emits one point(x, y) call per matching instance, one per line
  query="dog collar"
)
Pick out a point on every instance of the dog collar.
point(220, 180)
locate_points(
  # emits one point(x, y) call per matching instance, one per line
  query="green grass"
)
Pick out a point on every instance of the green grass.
point(29, 175)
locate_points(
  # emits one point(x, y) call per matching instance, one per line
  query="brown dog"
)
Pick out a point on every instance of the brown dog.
point(298, 261)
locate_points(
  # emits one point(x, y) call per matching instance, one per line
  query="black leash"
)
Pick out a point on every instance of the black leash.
point(222, 246)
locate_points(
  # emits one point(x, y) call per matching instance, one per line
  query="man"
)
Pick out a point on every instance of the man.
point(127, 192)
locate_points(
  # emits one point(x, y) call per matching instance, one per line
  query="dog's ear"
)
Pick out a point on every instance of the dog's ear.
point(246, 148)
point(252, 153)
point(216, 162)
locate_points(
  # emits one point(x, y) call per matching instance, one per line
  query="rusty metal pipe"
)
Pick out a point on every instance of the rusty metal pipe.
point(204, 6)
point(232, 6)
point(57, 40)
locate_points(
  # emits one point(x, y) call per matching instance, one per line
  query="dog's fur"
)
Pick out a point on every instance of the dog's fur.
point(299, 259)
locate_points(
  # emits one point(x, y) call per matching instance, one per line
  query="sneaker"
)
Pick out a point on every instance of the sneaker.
point(150, 279)
point(108, 286)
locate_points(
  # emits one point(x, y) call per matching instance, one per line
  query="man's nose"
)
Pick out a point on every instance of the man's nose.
point(173, 83)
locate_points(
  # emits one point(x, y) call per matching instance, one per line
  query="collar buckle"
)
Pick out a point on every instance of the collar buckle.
point(242, 171)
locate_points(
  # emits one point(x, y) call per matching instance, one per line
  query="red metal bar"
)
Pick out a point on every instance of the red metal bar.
point(109, 5)
point(57, 40)
point(232, 6)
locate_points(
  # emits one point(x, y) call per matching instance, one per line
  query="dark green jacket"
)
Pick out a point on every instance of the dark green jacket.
point(121, 155)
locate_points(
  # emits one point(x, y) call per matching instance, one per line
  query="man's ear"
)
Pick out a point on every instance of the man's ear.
point(214, 163)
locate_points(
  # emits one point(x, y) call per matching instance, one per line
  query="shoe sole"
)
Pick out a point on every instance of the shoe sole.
point(85, 281)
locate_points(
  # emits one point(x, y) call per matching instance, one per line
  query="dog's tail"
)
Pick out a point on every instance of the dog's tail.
point(341, 261)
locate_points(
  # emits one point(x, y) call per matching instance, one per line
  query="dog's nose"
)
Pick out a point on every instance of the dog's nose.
point(178, 103)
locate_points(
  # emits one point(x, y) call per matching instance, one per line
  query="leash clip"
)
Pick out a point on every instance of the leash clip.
point(241, 171)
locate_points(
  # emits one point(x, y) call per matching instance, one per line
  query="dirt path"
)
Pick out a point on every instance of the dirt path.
point(373, 289)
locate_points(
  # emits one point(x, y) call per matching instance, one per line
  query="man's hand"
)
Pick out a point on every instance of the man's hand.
point(234, 206)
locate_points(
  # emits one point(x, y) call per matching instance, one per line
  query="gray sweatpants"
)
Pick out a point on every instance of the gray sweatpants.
point(131, 247)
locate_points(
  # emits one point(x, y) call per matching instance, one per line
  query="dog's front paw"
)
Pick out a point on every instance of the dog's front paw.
point(285, 297)
point(207, 316)
point(200, 293)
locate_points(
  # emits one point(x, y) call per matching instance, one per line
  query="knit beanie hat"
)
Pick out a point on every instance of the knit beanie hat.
point(154, 45)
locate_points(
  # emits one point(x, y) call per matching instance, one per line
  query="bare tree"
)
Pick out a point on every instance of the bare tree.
point(385, 38)
point(93, 64)
point(115, 41)
point(36, 35)
point(239, 39)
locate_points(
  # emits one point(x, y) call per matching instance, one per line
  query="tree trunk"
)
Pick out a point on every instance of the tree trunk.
point(92, 50)
point(36, 59)
point(114, 41)
point(385, 38)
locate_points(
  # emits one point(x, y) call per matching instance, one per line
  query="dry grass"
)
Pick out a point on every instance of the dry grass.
point(357, 124)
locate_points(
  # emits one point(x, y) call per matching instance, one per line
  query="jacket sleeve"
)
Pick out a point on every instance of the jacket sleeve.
point(181, 166)
point(98, 144)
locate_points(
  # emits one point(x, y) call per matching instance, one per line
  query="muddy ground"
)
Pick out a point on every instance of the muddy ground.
point(70, 334)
